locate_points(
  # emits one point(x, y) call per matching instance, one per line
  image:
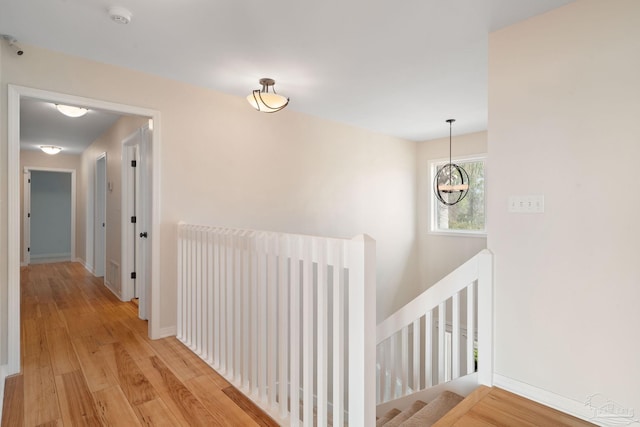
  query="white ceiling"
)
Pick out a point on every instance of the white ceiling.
point(42, 124)
point(398, 67)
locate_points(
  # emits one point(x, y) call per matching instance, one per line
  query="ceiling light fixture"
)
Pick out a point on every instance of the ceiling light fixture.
point(120, 15)
point(451, 184)
point(51, 149)
point(71, 111)
point(265, 101)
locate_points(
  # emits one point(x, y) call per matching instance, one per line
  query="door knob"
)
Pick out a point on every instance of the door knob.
point(143, 234)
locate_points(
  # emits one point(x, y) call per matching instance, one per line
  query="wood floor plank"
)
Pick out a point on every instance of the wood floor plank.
point(77, 401)
point(154, 413)
point(13, 407)
point(209, 393)
point(155, 378)
point(95, 368)
point(191, 408)
point(40, 398)
point(249, 407)
point(113, 408)
point(63, 355)
point(184, 363)
point(134, 384)
point(136, 347)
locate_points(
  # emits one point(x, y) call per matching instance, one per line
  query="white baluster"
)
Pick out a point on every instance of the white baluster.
point(455, 336)
point(470, 328)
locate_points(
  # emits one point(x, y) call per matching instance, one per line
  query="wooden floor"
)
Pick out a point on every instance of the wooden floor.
point(494, 407)
point(87, 361)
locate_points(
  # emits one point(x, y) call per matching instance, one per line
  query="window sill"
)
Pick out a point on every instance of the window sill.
point(481, 234)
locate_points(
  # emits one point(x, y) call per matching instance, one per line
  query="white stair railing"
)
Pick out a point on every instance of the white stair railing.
point(285, 318)
point(434, 338)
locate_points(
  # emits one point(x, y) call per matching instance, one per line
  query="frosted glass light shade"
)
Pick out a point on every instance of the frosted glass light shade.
point(71, 111)
point(50, 149)
point(266, 99)
point(267, 102)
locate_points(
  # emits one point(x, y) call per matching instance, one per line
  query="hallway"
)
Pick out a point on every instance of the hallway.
point(87, 360)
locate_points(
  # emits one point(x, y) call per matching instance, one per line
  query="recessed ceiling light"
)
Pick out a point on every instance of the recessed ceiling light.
point(120, 15)
point(71, 111)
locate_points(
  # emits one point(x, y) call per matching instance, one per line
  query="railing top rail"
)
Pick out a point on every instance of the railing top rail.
point(454, 282)
point(262, 233)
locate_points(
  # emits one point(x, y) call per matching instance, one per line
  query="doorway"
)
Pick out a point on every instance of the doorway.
point(100, 220)
point(12, 302)
point(49, 215)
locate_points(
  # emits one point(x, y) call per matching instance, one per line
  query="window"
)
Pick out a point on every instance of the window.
point(467, 216)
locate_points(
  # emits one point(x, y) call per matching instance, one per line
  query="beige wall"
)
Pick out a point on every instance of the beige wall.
point(439, 255)
point(43, 160)
point(111, 143)
point(564, 122)
point(225, 164)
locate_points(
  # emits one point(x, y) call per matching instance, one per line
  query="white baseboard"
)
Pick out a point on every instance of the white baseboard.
point(86, 266)
point(169, 331)
point(107, 285)
point(545, 397)
point(3, 377)
point(47, 258)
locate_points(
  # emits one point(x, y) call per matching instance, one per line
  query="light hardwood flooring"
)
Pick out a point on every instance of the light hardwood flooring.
point(87, 361)
point(494, 407)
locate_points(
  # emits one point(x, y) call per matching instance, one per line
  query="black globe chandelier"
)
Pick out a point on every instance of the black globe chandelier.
point(451, 183)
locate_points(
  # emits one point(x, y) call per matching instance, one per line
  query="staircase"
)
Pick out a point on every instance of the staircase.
point(421, 414)
point(486, 406)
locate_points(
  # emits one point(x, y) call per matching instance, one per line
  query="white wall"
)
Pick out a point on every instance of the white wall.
point(439, 255)
point(564, 121)
point(226, 164)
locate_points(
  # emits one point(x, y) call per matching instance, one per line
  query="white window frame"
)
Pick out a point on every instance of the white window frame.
point(433, 201)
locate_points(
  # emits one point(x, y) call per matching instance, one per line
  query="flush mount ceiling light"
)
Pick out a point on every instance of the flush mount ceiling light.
point(120, 15)
point(71, 111)
point(51, 149)
point(265, 101)
point(451, 184)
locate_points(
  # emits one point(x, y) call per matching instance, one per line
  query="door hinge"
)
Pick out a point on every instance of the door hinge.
point(134, 163)
point(133, 275)
point(29, 181)
point(28, 249)
point(29, 215)
point(133, 220)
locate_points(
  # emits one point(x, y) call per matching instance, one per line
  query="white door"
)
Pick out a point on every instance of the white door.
point(100, 216)
point(136, 204)
point(26, 257)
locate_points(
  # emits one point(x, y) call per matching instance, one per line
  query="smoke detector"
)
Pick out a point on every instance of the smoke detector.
point(120, 15)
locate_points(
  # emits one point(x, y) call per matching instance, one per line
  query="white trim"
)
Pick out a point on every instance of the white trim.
point(13, 231)
point(14, 93)
point(545, 397)
point(168, 331)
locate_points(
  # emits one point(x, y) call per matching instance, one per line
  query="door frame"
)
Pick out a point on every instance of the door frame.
point(15, 92)
point(99, 269)
point(27, 209)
